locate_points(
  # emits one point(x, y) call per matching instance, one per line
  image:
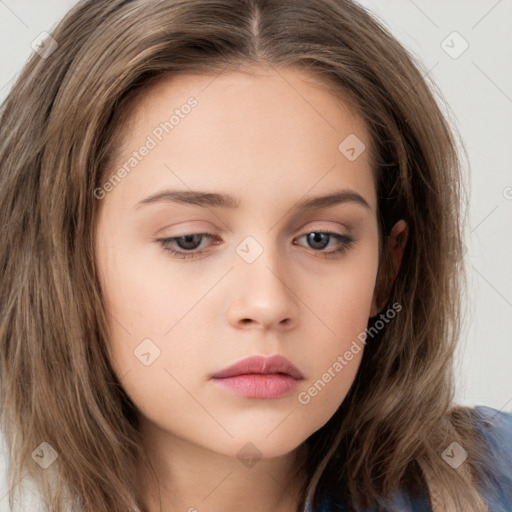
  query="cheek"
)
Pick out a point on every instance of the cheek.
point(342, 297)
point(144, 294)
point(343, 304)
point(350, 309)
point(323, 395)
point(150, 330)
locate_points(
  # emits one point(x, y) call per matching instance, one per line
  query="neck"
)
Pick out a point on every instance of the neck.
point(188, 477)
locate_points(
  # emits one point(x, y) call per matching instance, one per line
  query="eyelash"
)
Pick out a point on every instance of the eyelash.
point(346, 241)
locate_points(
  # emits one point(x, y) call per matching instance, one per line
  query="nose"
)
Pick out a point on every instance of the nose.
point(264, 297)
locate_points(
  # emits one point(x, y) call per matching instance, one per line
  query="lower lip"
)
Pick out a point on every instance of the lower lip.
point(253, 385)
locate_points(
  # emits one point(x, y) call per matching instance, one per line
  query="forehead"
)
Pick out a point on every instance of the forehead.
point(295, 94)
point(264, 82)
point(269, 124)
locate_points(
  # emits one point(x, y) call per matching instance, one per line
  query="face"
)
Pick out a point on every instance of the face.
point(193, 284)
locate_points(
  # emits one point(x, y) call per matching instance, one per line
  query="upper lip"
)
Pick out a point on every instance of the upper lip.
point(263, 365)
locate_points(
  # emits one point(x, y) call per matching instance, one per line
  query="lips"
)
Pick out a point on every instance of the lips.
point(261, 365)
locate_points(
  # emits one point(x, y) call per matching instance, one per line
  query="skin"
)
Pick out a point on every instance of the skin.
point(269, 139)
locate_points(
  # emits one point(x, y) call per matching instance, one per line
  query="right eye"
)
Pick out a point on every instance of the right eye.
point(187, 244)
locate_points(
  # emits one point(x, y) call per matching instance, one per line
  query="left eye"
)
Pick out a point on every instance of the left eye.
point(188, 245)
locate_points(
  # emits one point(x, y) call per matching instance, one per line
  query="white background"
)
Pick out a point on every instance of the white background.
point(477, 89)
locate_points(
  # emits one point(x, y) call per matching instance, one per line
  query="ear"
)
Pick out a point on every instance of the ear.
point(395, 248)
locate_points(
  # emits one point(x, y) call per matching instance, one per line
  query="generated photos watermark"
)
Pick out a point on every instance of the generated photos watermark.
point(152, 140)
point(344, 359)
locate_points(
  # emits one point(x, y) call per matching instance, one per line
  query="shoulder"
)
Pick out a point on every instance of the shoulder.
point(494, 429)
point(494, 425)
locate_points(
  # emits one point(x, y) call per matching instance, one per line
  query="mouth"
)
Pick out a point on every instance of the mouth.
point(260, 377)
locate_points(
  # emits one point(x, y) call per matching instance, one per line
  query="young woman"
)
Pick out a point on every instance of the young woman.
point(231, 268)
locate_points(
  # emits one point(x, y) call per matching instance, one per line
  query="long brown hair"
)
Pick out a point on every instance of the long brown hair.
point(58, 133)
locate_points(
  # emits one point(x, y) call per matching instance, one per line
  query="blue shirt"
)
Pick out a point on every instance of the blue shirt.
point(495, 430)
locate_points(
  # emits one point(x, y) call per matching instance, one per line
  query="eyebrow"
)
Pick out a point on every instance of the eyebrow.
point(218, 200)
